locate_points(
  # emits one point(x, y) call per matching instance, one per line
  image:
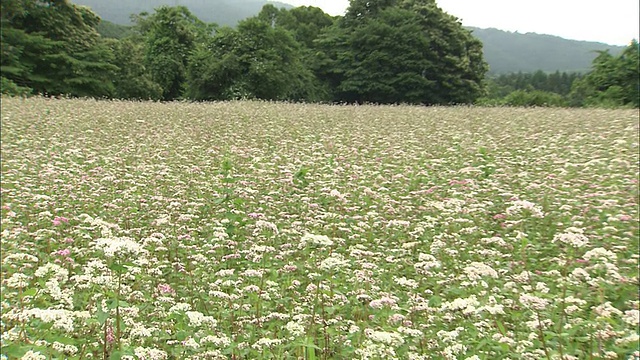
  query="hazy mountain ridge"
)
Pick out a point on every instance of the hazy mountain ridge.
point(221, 12)
point(512, 52)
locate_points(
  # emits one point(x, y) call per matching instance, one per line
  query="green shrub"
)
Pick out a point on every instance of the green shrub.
point(11, 88)
point(534, 98)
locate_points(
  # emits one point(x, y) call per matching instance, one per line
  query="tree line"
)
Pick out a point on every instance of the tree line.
point(614, 81)
point(380, 51)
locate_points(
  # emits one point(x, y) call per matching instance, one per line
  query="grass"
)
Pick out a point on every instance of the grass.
point(253, 230)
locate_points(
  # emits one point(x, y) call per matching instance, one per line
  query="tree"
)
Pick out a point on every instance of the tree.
point(304, 22)
point(52, 47)
point(613, 80)
point(377, 50)
point(257, 60)
point(132, 80)
point(390, 51)
point(170, 36)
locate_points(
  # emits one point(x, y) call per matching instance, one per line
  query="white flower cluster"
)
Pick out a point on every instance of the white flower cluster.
point(56, 271)
point(33, 355)
point(451, 352)
point(219, 341)
point(403, 281)
point(606, 310)
point(106, 228)
point(398, 223)
point(61, 319)
point(449, 336)
point(384, 337)
point(600, 254)
point(632, 317)
point(519, 206)
point(265, 343)
point(533, 302)
point(197, 318)
point(121, 247)
point(17, 281)
point(425, 263)
point(492, 307)
point(19, 257)
point(573, 237)
point(295, 328)
point(375, 351)
point(191, 343)
point(477, 270)
point(410, 332)
point(65, 349)
point(150, 353)
point(391, 302)
point(265, 225)
point(335, 261)
point(319, 240)
point(180, 307)
point(95, 272)
point(573, 304)
point(466, 305)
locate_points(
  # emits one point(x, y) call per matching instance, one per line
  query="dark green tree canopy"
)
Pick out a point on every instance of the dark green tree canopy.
point(256, 60)
point(52, 47)
point(170, 35)
point(391, 51)
point(304, 22)
point(613, 81)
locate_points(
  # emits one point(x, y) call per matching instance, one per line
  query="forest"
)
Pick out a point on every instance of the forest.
point(384, 51)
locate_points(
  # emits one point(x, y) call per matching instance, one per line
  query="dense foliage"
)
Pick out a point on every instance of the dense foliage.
point(529, 89)
point(52, 47)
point(614, 81)
point(399, 52)
point(255, 60)
point(390, 51)
point(382, 51)
point(508, 52)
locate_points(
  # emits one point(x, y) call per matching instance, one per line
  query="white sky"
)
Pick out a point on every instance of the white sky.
point(613, 22)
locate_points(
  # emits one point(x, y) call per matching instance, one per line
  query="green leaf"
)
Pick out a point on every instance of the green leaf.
point(435, 301)
point(227, 166)
point(117, 267)
point(101, 314)
point(181, 335)
point(30, 292)
point(14, 351)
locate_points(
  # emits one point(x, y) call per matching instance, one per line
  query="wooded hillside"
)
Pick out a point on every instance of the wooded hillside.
point(508, 52)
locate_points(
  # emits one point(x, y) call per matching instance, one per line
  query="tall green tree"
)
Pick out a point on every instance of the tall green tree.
point(52, 47)
point(256, 60)
point(306, 24)
point(390, 51)
point(170, 35)
point(613, 81)
point(132, 80)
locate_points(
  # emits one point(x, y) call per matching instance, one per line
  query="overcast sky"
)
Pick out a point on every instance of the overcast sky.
point(612, 21)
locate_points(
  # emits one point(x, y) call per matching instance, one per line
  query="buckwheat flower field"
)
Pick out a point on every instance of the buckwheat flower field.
point(253, 230)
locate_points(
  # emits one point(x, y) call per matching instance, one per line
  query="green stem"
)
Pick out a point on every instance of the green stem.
point(118, 331)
